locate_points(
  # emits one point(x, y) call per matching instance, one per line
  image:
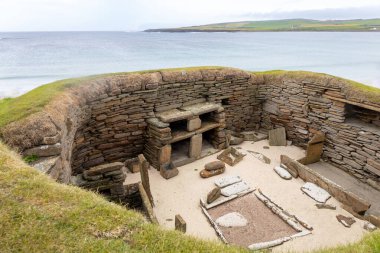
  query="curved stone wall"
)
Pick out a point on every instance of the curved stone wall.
point(104, 119)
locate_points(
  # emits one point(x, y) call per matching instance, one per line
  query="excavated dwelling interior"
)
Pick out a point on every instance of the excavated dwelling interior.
point(177, 117)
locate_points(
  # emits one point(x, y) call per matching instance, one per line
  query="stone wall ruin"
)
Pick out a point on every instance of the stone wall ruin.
point(108, 118)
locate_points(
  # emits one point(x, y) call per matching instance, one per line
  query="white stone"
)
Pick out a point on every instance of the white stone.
point(233, 219)
point(226, 181)
point(369, 226)
point(282, 173)
point(315, 192)
point(235, 189)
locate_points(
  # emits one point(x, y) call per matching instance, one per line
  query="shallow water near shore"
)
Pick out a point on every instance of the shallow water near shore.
point(28, 60)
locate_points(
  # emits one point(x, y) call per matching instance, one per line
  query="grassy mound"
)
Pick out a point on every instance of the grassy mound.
point(40, 215)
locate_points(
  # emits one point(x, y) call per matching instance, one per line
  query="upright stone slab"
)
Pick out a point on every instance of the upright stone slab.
point(144, 173)
point(195, 148)
point(165, 154)
point(314, 149)
point(193, 124)
point(277, 137)
point(180, 223)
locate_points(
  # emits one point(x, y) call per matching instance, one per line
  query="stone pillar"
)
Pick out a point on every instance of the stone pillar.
point(164, 154)
point(195, 148)
point(194, 124)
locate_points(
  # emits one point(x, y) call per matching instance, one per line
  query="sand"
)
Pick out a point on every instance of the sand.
point(181, 194)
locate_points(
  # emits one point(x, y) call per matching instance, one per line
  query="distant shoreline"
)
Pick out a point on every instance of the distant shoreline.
point(169, 30)
point(284, 25)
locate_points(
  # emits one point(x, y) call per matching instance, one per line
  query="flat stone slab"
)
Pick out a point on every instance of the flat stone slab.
point(234, 189)
point(253, 136)
point(233, 219)
point(283, 173)
point(315, 192)
point(277, 137)
point(157, 123)
point(45, 164)
point(173, 115)
point(202, 108)
point(226, 181)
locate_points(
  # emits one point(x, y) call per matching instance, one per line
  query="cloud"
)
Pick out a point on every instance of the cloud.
point(74, 15)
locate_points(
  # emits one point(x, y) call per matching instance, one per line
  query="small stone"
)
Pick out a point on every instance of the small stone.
point(168, 173)
point(265, 147)
point(283, 173)
point(213, 195)
point(346, 221)
point(369, 226)
point(236, 140)
point(215, 165)
point(233, 219)
point(325, 206)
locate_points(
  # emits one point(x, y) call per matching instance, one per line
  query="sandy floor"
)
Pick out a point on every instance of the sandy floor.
point(180, 195)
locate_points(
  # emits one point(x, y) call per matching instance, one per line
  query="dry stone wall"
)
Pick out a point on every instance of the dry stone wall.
point(310, 104)
point(117, 126)
point(105, 119)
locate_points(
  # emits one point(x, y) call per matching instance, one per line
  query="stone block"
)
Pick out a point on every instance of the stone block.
point(104, 168)
point(45, 150)
point(164, 154)
point(213, 195)
point(180, 223)
point(277, 137)
point(195, 148)
point(168, 171)
point(215, 165)
point(194, 124)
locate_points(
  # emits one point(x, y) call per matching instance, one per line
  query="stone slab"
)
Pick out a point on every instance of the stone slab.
point(233, 219)
point(100, 169)
point(227, 180)
point(234, 189)
point(173, 115)
point(215, 165)
point(45, 150)
point(277, 137)
point(195, 148)
point(315, 192)
point(202, 108)
point(283, 173)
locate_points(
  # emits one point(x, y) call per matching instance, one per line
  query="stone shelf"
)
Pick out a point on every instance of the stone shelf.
point(202, 108)
point(206, 126)
point(179, 135)
point(173, 115)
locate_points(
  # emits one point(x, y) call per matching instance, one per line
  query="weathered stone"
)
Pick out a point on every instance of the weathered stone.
point(346, 221)
point(104, 168)
point(314, 149)
point(45, 150)
point(180, 223)
point(325, 206)
point(315, 192)
point(168, 171)
point(283, 173)
point(193, 124)
point(231, 156)
point(277, 137)
point(236, 140)
point(227, 180)
point(165, 154)
point(215, 165)
point(45, 165)
point(213, 195)
point(195, 148)
point(234, 189)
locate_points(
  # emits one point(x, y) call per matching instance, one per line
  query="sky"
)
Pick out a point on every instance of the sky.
point(135, 15)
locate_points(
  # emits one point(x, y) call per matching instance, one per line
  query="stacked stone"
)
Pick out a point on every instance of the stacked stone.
point(107, 177)
point(157, 136)
point(115, 130)
point(304, 107)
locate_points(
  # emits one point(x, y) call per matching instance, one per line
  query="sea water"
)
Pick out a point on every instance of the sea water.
point(28, 60)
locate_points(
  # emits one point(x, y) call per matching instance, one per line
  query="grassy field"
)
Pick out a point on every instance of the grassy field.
point(283, 25)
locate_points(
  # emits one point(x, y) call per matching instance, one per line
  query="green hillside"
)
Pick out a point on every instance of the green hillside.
point(282, 25)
